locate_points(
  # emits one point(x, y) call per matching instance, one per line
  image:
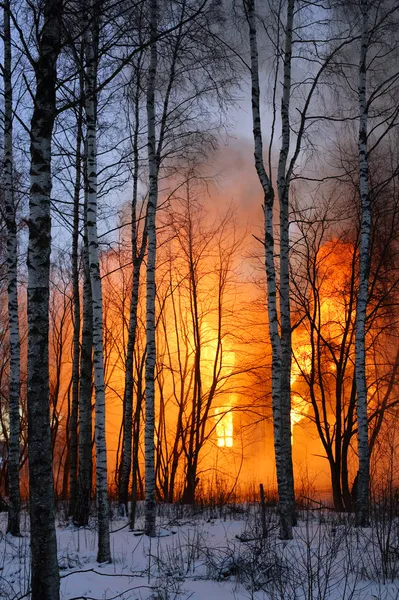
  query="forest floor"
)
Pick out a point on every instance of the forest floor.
point(218, 553)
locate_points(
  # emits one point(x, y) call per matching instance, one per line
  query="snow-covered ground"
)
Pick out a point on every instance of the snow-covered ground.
point(218, 553)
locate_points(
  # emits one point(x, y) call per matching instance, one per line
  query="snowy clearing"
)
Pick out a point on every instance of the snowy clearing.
point(217, 553)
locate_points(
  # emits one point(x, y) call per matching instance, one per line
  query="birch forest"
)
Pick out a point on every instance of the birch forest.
point(199, 299)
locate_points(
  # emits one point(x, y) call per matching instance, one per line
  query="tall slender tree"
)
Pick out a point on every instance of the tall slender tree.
point(44, 567)
point(281, 407)
point(85, 463)
point(12, 274)
point(283, 188)
point(138, 252)
point(73, 425)
point(153, 165)
point(362, 501)
point(323, 56)
point(91, 48)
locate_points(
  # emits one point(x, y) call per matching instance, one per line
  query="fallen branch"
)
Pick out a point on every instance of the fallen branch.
point(138, 587)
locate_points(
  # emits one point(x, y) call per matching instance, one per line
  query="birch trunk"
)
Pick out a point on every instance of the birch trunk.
point(129, 380)
point(12, 275)
point(283, 186)
point(104, 550)
point(150, 503)
point(362, 501)
point(137, 258)
point(82, 507)
point(128, 395)
point(136, 444)
point(279, 426)
point(73, 426)
point(44, 566)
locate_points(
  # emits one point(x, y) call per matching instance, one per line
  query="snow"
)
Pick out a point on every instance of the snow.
point(217, 553)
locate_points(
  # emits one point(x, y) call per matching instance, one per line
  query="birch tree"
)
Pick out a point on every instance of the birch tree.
point(91, 48)
point(12, 272)
point(362, 500)
point(376, 111)
point(85, 463)
point(44, 566)
point(281, 404)
point(138, 251)
point(73, 426)
point(177, 141)
point(153, 165)
point(321, 51)
point(283, 187)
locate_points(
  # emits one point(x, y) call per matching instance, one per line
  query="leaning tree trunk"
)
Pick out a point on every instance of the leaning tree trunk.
point(150, 504)
point(104, 549)
point(12, 273)
point(283, 476)
point(362, 500)
point(73, 425)
point(44, 567)
point(283, 186)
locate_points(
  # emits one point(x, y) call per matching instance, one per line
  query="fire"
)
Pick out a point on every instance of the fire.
point(299, 409)
point(224, 427)
point(301, 365)
point(333, 270)
point(223, 414)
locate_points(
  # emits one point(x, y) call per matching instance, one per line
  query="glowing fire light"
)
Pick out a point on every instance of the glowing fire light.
point(299, 408)
point(333, 271)
point(222, 414)
point(300, 364)
point(224, 427)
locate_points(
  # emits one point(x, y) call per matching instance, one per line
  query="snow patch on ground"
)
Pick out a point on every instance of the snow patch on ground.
point(217, 554)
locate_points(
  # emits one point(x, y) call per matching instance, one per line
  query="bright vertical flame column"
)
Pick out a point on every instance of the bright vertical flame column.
point(224, 427)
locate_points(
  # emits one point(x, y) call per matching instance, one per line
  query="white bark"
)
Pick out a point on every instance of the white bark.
point(104, 550)
point(362, 501)
point(137, 258)
point(12, 273)
point(153, 164)
point(44, 567)
point(83, 496)
point(283, 187)
point(279, 427)
point(73, 426)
